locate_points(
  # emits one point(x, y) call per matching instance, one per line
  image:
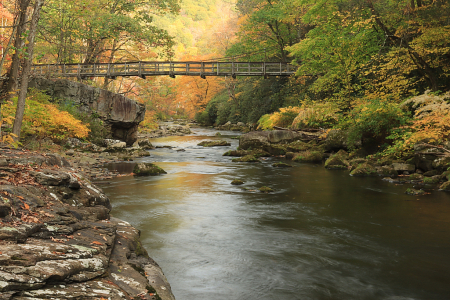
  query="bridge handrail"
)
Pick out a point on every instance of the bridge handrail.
point(172, 68)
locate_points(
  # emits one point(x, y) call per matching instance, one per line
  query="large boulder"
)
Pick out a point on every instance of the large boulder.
point(120, 115)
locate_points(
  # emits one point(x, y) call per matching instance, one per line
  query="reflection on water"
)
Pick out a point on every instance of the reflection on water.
point(321, 235)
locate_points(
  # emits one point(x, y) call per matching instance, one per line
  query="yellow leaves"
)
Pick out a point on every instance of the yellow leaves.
point(42, 119)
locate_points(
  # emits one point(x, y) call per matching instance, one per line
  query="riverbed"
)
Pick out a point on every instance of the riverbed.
point(320, 235)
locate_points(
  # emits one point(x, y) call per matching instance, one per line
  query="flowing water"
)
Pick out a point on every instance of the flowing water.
point(321, 235)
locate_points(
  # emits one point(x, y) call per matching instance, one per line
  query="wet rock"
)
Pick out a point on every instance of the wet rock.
point(145, 144)
point(309, 156)
point(445, 186)
point(213, 143)
point(414, 192)
point(338, 161)
point(246, 158)
point(364, 169)
point(147, 169)
point(265, 189)
point(237, 182)
point(432, 180)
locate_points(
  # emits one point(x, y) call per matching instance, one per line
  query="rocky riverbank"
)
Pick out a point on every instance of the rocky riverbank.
point(427, 168)
point(58, 239)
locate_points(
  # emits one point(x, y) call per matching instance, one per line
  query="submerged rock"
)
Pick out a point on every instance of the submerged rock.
point(281, 165)
point(147, 169)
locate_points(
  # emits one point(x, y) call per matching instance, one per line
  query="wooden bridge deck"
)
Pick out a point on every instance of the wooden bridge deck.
point(143, 69)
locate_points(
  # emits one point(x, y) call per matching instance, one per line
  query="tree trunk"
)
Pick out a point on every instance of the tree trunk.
point(26, 70)
point(18, 42)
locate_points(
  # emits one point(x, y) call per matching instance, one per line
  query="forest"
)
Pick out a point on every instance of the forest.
point(377, 69)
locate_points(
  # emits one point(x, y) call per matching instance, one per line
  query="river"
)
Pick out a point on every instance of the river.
point(321, 235)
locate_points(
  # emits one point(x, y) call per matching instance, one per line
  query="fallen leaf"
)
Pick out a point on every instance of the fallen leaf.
point(26, 206)
point(96, 243)
point(104, 238)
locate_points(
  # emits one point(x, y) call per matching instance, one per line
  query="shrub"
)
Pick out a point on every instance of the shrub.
point(98, 132)
point(317, 115)
point(431, 124)
point(44, 120)
point(373, 121)
point(283, 118)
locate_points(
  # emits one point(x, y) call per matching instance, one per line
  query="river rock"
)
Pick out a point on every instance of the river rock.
point(213, 143)
point(445, 186)
point(120, 115)
point(264, 139)
point(364, 169)
point(386, 171)
point(309, 156)
point(335, 140)
point(338, 161)
point(57, 242)
point(403, 167)
point(146, 169)
point(145, 144)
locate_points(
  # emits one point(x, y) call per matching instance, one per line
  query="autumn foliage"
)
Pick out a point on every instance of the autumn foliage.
point(43, 119)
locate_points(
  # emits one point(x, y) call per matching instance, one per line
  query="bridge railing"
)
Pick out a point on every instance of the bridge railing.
point(143, 69)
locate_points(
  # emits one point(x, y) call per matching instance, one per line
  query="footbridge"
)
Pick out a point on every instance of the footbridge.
point(172, 68)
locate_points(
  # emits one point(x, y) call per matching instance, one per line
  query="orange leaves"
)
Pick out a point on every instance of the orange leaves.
point(97, 243)
point(43, 119)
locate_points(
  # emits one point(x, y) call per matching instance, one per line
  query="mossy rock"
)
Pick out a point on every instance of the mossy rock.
point(385, 161)
point(415, 177)
point(147, 169)
point(275, 149)
point(446, 175)
point(281, 165)
point(431, 173)
point(237, 182)
point(414, 192)
point(445, 186)
point(213, 143)
point(236, 153)
point(387, 171)
point(218, 134)
point(337, 161)
point(432, 180)
point(364, 169)
point(265, 189)
point(247, 158)
point(290, 155)
point(298, 146)
point(309, 156)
